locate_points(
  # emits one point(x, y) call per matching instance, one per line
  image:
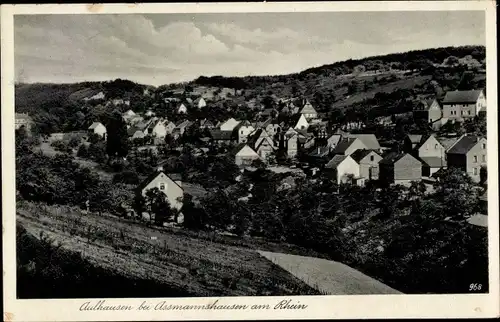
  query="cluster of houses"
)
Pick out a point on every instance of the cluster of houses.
point(348, 157)
point(456, 106)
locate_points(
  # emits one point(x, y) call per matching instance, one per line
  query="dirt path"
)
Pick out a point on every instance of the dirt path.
point(328, 277)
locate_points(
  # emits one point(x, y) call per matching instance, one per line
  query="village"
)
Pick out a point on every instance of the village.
point(294, 139)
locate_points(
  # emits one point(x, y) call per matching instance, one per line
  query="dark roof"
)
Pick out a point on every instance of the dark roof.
point(433, 162)
point(173, 176)
point(464, 144)
point(343, 145)
point(335, 161)
point(415, 138)
point(131, 130)
point(394, 157)
point(370, 140)
point(194, 190)
point(359, 155)
point(252, 138)
point(319, 151)
point(459, 97)
point(221, 135)
point(237, 149)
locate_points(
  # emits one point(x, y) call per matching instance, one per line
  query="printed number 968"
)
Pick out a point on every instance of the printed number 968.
point(475, 287)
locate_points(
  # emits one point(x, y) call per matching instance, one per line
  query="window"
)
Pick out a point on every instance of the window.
point(475, 171)
point(484, 146)
point(475, 159)
point(162, 186)
point(484, 158)
point(435, 146)
point(372, 158)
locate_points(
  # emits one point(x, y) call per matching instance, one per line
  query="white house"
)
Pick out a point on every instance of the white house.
point(244, 155)
point(243, 131)
point(171, 188)
point(182, 109)
point(158, 129)
point(308, 111)
point(201, 103)
point(344, 167)
point(459, 105)
point(98, 128)
point(301, 123)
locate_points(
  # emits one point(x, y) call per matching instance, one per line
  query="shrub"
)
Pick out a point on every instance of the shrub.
point(83, 151)
point(126, 177)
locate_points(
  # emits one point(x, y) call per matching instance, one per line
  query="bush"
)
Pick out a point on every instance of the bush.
point(126, 177)
point(61, 146)
point(83, 151)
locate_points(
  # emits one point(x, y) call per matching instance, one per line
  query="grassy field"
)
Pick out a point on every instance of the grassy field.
point(48, 150)
point(328, 277)
point(196, 266)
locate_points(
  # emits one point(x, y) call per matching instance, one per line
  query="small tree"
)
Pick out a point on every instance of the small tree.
point(158, 205)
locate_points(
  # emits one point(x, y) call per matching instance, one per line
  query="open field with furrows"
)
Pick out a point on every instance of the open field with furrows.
point(328, 277)
point(199, 267)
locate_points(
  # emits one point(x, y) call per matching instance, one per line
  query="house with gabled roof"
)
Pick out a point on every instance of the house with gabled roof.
point(98, 128)
point(244, 155)
point(469, 154)
point(318, 155)
point(206, 124)
point(369, 140)
point(428, 150)
point(428, 110)
point(128, 115)
point(333, 140)
point(300, 122)
point(182, 109)
point(262, 143)
point(291, 142)
point(243, 130)
point(136, 133)
point(222, 137)
point(23, 120)
point(182, 127)
point(166, 184)
point(158, 128)
point(349, 145)
point(368, 161)
point(200, 102)
point(460, 105)
point(344, 169)
point(399, 168)
point(308, 111)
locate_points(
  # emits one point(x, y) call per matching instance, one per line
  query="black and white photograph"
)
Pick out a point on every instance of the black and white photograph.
point(206, 154)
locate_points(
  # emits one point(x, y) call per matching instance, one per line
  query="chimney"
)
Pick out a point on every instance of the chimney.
point(159, 169)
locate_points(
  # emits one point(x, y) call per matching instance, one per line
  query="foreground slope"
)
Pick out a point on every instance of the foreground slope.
point(197, 267)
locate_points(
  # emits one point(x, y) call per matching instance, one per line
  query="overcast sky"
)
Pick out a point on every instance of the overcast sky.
point(164, 48)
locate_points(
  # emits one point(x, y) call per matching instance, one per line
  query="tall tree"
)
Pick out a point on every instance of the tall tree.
point(117, 140)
